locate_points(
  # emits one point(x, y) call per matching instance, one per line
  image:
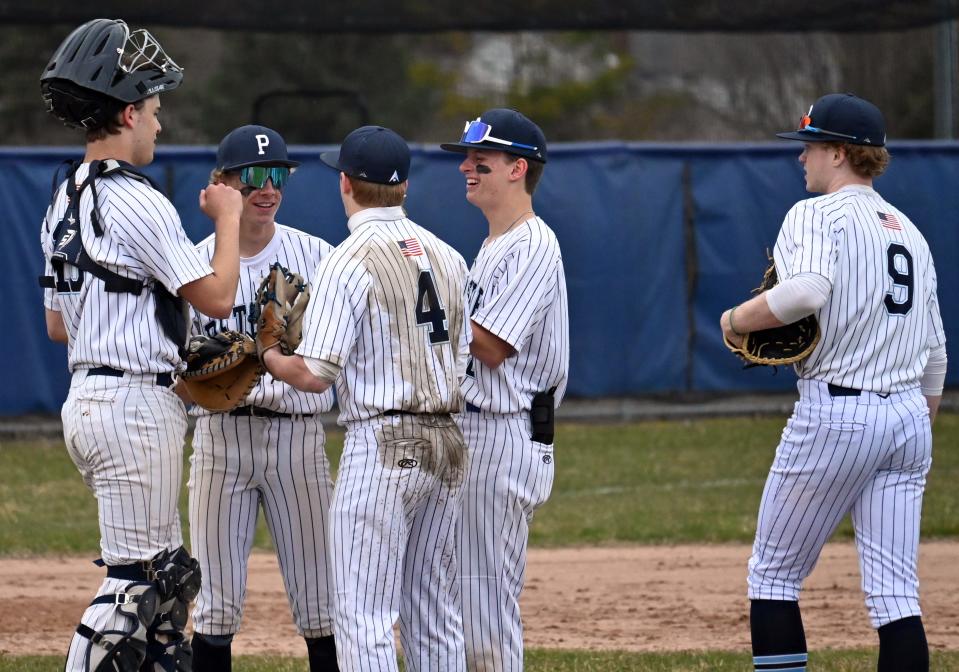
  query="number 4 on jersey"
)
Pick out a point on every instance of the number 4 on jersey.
point(429, 310)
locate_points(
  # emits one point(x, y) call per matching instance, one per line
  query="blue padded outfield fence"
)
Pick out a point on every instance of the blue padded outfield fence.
point(657, 240)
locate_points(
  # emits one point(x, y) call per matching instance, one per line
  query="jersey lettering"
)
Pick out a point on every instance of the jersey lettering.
point(900, 270)
point(68, 285)
point(429, 309)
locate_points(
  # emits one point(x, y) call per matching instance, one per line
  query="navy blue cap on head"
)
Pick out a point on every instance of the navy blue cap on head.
point(505, 130)
point(372, 154)
point(841, 117)
point(252, 146)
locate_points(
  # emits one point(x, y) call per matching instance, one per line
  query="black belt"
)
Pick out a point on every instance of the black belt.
point(260, 412)
point(839, 391)
point(395, 411)
point(470, 408)
point(162, 379)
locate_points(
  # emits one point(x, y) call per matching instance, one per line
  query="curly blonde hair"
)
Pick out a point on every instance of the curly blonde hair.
point(865, 161)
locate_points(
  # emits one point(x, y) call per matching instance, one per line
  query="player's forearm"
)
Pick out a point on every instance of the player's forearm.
point(489, 348)
point(933, 403)
point(226, 265)
point(56, 329)
point(292, 370)
point(215, 293)
point(753, 315)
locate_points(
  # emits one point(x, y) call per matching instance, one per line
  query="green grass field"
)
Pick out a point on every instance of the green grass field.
point(647, 482)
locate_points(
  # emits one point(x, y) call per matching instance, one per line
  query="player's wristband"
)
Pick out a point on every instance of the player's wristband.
point(731, 327)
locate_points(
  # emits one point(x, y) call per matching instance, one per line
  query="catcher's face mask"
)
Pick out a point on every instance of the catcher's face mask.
point(256, 176)
point(141, 51)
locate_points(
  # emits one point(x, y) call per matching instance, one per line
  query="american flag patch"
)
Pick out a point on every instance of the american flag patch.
point(889, 221)
point(410, 247)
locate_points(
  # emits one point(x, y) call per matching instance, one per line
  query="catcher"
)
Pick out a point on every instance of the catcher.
point(258, 442)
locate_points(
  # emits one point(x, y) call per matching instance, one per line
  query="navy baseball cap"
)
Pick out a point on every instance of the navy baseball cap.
point(372, 154)
point(252, 146)
point(841, 117)
point(503, 130)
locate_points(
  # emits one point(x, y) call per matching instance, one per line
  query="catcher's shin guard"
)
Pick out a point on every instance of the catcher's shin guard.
point(177, 580)
point(167, 652)
point(122, 650)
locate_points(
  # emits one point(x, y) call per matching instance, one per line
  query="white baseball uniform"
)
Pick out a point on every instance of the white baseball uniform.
point(391, 316)
point(859, 439)
point(271, 452)
point(123, 429)
point(517, 291)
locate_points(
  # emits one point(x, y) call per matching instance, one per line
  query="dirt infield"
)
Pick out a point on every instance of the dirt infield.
point(658, 598)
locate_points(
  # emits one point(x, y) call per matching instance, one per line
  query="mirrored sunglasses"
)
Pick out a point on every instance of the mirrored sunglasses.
point(477, 131)
point(256, 176)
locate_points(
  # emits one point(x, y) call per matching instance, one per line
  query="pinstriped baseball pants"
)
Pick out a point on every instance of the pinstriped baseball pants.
point(395, 505)
point(238, 464)
point(865, 455)
point(125, 435)
point(508, 478)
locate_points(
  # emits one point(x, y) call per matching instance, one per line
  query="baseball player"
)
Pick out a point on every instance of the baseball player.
point(387, 325)
point(859, 440)
point(269, 451)
point(118, 266)
point(515, 379)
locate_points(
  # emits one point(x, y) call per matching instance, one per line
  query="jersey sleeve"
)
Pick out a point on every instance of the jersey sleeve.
point(523, 284)
point(466, 334)
point(937, 335)
point(811, 240)
point(332, 319)
point(155, 238)
point(46, 244)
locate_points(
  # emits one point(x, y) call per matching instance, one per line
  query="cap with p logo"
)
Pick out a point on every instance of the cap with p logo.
point(252, 146)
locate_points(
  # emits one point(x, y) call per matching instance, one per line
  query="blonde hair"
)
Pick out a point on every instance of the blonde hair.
point(865, 161)
point(375, 195)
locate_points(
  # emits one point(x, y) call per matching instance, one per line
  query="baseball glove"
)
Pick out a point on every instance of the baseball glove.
point(780, 345)
point(221, 370)
point(281, 301)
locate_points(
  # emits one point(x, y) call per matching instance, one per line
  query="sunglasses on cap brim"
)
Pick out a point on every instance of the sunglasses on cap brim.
point(256, 176)
point(477, 131)
point(805, 124)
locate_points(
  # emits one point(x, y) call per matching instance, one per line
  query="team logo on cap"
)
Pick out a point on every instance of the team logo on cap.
point(262, 142)
point(395, 177)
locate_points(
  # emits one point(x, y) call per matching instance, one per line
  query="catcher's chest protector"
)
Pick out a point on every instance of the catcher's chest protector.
point(68, 249)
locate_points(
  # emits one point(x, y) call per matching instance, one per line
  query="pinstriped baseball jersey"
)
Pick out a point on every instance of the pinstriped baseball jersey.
point(242, 462)
point(123, 430)
point(300, 253)
point(859, 440)
point(142, 239)
point(391, 316)
point(883, 314)
point(517, 290)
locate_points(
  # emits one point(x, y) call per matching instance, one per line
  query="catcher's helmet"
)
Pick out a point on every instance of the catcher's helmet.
point(101, 62)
